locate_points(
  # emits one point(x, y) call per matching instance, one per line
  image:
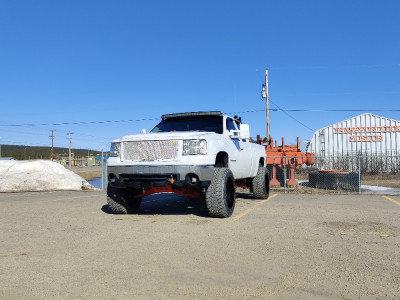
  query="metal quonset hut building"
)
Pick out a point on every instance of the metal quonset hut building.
point(367, 141)
point(366, 134)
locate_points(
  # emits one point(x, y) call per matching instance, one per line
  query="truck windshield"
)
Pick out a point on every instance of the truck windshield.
point(210, 124)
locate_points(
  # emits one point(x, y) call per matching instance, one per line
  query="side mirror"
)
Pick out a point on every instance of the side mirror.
point(244, 131)
point(143, 131)
point(233, 133)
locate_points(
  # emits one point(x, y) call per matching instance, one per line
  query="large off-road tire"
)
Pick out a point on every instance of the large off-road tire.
point(260, 184)
point(121, 201)
point(221, 194)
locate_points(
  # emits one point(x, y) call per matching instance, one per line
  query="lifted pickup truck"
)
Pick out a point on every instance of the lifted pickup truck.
point(198, 154)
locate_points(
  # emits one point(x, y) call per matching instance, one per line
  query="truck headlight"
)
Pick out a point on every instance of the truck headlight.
point(194, 147)
point(115, 149)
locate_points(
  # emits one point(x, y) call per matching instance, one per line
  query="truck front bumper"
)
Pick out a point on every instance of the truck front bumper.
point(158, 176)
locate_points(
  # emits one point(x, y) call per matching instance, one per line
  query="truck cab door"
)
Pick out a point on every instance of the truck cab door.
point(241, 156)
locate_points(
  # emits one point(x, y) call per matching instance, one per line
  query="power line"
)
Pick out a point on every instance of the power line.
point(338, 67)
point(339, 110)
point(286, 113)
point(245, 111)
point(78, 123)
point(229, 113)
point(316, 110)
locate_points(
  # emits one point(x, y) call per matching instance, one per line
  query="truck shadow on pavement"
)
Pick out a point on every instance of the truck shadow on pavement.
point(168, 204)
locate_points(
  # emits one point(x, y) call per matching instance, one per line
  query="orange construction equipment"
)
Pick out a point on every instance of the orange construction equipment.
point(285, 156)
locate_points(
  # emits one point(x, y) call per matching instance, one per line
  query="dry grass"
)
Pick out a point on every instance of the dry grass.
point(388, 180)
point(87, 173)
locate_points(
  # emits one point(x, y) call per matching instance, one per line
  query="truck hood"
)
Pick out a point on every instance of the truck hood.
point(157, 136)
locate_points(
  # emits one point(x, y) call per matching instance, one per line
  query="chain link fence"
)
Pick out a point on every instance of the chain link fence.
point(104, 179)
point(363, 174)
point(329, 174)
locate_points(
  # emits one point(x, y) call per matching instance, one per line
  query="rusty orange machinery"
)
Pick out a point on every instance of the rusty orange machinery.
point(285, 156)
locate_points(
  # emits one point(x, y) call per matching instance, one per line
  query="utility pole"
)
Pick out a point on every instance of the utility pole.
point(69, 135)
point(0, 146)
point(52, 139)
point(266, 96)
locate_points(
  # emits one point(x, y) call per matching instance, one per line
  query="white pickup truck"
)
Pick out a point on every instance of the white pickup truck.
point(198, 154)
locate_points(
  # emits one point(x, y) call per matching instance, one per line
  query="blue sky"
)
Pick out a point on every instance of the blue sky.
point(93, 61)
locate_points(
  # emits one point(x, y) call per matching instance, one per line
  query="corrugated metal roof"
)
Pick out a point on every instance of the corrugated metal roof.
point(365, 133)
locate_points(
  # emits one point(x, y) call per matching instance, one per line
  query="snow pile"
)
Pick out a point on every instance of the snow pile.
point(38, 175)
point(374, 188)
point(381, 190)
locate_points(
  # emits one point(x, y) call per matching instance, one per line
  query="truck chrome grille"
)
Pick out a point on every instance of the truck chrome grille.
point(150, 150)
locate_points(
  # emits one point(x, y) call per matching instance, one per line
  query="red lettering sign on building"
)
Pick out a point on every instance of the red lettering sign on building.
point(364, 137)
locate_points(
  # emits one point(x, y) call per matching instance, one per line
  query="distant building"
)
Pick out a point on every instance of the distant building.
point(366, 134)
point(91, 161)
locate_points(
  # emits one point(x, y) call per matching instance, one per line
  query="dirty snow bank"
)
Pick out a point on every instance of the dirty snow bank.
point(38, 175)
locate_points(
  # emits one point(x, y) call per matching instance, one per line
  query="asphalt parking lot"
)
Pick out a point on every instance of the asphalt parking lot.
point(62, 245)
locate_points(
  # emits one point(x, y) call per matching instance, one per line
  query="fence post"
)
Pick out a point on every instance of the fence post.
point(284, 173)
point(359, 174)
point(104, 180)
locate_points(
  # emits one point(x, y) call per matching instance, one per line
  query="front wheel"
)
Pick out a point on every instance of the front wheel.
point(122, 201)
point(221, 194)
point(260, 184)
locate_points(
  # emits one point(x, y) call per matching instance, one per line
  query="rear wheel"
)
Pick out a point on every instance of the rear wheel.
point(260, 184)
point(221, 194)
point(122, 201)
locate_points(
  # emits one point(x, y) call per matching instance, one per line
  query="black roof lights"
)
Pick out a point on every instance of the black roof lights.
point(193, 114)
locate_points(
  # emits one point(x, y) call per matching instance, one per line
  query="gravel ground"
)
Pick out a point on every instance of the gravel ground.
point(62, 245)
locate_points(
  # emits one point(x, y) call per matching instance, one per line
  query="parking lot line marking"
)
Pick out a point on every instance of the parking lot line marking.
point(252, 208)
point(390, 199)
